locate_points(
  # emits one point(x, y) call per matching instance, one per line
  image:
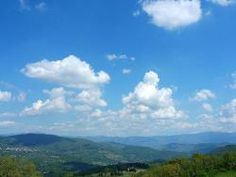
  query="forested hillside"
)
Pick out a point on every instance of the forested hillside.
point(12, 167)
point(221, 164)
point(53, 154)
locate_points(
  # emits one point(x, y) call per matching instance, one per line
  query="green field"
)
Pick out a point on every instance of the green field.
point(227, 174)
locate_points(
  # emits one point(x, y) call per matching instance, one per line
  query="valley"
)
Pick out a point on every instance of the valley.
point(55, 155)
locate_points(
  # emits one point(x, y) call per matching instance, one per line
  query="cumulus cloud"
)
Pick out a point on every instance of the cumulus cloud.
point(223, 120)
point(203, 95)
point(228, 112)
point(19, 95)
point(124, 123)
point(147, 110)
point(113, 57)
point(97, 113)
point(70, 72)
point(5, 96)
point(91, 98)
point(121, 123)
point(223, 2)
point(207, 107)
point(173, 14)
point(56, 103)
point(148, 98)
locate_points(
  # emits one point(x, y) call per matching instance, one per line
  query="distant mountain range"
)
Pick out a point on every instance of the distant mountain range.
point(63, 153)
point(84, 150)
point(189, 143)
point(224, 149)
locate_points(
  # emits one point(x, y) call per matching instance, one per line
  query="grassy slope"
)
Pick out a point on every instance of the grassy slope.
point(227, 174)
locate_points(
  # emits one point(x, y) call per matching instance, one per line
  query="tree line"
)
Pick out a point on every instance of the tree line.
point(198, 165)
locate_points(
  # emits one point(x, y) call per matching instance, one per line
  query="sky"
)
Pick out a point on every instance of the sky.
point(117, 68)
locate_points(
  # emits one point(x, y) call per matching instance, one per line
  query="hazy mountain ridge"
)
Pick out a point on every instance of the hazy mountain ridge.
point(228, 148)
point(189, 143)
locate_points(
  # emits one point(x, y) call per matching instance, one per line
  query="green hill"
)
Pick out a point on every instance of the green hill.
point(224, 149)
point(56, 153)
point(215, 165)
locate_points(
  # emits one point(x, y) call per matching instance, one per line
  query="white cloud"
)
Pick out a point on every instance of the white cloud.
point(70, 72)
point(223, 2)
point(133, 123)
point(83, 108)
point(113, 57)
point(7, 123)
point(88, 101)
point(203, 95)
point(19, 95)
point(147, 110)
point(73, 73)
point(148, 98)
point(5, 96)
point(207, 107)
point(56, 103)
point(173, 14)
point(228, 112)
point(126, 71)
point(91, 98)
point(223, 120)
point(97, 113)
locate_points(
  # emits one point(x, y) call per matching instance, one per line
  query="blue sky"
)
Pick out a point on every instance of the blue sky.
point(117, 68)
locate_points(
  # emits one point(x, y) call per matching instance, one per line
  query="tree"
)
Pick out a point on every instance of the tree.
point(12, 167)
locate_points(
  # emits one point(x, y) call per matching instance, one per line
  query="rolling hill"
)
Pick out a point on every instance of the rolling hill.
point(61, 152)
point(189, 143)
point(221, 150)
